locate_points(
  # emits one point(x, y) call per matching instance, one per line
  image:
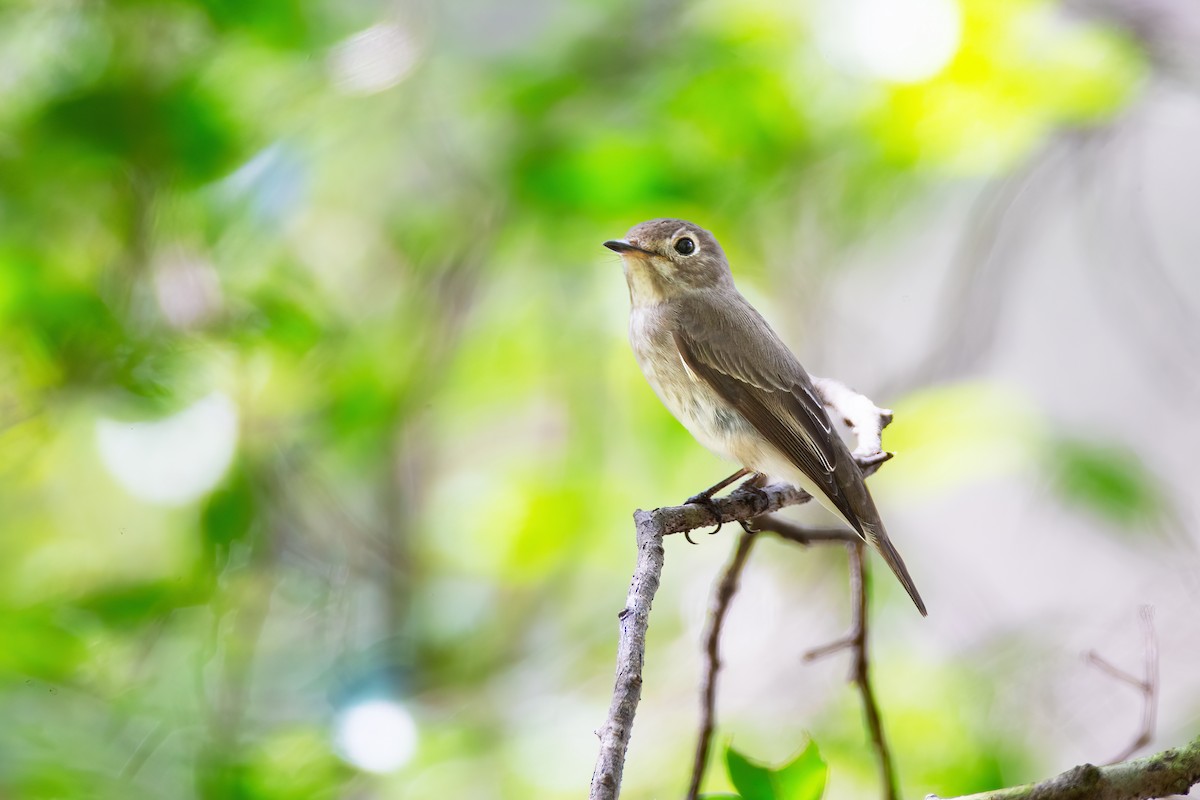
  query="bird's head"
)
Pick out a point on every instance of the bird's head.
point(668, 257)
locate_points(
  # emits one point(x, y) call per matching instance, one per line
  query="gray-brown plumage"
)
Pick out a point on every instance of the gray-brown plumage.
point(720, 369)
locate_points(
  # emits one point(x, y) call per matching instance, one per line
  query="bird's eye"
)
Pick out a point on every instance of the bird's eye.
point(685, 246)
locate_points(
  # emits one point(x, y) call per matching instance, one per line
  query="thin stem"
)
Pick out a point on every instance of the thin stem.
point(856, 640)
point(799, 534)
point(727, 586)
point(862, 670)
point(1148, 686)
point(149, 744)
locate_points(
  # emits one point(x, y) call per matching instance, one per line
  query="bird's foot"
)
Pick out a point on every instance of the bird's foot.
point(753, 485)
point(705, 500)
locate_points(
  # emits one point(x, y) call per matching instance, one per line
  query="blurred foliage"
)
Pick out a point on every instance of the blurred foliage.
point(1106, 479)
point(959, 432)
point(802, 778)
point(374, 231)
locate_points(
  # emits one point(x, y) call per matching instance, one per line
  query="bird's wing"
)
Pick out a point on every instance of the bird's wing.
point(732, 349)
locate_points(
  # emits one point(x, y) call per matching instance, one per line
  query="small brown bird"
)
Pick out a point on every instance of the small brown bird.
point(719, 368)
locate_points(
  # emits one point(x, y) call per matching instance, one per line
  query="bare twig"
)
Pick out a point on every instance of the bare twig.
point(157, 735)
point(862, 676)
point(631, 655)
point(727, 585)
point(1107, 666)
point(741, 504)
point(856, 642)
point(1148, 685)
point(1163, 774)
point(786, 529)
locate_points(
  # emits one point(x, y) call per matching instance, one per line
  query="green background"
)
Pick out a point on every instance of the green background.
point(350, 254)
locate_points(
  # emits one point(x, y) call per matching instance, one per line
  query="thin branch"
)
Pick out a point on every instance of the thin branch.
point(1163, 774)
point(157, 735)
point(1150, 706)
point(631, 655)
point(741, 504)
point(856, 641)
point(862, 674)
point(836, 646)
point(1148, 685)
point(786, 529)
point(727, 586)
point(1106, 666)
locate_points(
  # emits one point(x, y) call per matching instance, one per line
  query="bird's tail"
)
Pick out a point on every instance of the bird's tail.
point(878, 538)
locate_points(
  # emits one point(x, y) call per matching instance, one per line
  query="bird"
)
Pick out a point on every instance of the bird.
point(719, 368)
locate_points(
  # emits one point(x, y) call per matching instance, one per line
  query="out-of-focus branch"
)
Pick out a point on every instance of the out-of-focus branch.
point(786, 529)
point(727, 585)
point(861, 670)
point(1163, 774)
point(982, 275)
point(855, 640)
point(1147, 685)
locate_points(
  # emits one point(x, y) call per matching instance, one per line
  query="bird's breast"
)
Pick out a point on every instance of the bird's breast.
point(706, 415)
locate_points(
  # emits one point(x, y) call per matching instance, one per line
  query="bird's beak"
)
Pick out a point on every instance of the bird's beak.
point(621, 246)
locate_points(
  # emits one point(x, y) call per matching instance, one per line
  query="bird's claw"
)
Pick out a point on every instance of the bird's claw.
point(705, 501)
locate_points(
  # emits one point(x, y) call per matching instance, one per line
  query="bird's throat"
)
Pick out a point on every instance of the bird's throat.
point(646, 286)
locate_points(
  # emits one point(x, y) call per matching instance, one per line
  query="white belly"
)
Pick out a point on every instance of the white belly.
point(705, 415)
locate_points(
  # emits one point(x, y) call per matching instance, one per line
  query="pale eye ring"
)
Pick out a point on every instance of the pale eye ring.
point(685, 246)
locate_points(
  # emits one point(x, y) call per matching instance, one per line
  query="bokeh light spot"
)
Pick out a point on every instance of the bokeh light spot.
point(373, 60)
point(901, 41)
point(376, 735)
point(175, 460)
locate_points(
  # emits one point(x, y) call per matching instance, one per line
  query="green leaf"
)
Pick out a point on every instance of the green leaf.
point(178, 131)
point(753, 781)
point(38, 645)
point(229, 516)
point(804, 777)
point(127, 606)
point(285, 24)
point(1106, 479)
